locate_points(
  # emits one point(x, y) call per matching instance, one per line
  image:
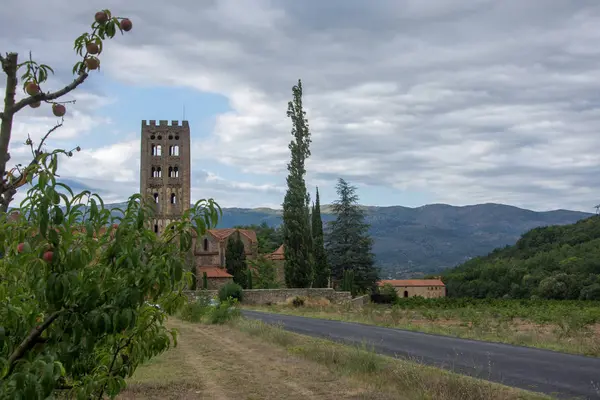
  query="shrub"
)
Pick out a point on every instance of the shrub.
point(196, 310)
point(390, 292)
point(224, 312)
point(231, 290)
point(379, 298)
point(298, 301)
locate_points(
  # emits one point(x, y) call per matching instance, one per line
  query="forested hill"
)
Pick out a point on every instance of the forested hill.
point(412, 241)
point(556, 262)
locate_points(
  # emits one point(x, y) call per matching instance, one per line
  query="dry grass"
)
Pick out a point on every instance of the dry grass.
point(251, 360)
point(392, 378)
point(471, 325)
point(220, 362)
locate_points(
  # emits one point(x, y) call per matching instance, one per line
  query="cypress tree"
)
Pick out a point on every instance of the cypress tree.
point(349, 245)
point(296, 223)
point(204, 281)
point(321, 267)
point(235, 260)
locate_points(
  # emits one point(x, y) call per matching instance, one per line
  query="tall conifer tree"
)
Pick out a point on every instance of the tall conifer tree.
point(321, 268)
point(296, 222)
point(349, 245)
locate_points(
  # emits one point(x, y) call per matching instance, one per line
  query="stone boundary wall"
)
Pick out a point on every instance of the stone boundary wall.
point(274, 296)
point(361, 301)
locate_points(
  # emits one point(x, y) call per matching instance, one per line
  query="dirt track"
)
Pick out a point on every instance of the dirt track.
point(218, 362)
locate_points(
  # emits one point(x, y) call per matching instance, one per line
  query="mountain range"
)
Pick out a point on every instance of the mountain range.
point(411, 242)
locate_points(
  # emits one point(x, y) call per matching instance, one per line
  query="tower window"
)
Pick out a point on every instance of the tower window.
point(156, 172)
point(173, 198)
point(174, 150)
point(156, 198)
point(156, 150)
point(155, 228)
point(205, 244)
point(173, 172)
point(170, 137)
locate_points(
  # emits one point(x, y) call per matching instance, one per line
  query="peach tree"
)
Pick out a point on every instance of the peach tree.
point(88, 46)
point(84, 291)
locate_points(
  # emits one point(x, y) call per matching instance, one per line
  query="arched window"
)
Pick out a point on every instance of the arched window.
point(205, 244)
point(175, 172)
point(153, 172)
point(153, 150)
point(173, 198)
point(174, 150)
point(156, 198)
point(155, 228)
point(156, 150)
point(170, 172)
point(158, 172)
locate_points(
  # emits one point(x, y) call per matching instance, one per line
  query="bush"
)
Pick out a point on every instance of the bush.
point(390, 292)
point(196, 310)
point(224, 312)
point(231, 290)
point(298, 301)
point(379, 298)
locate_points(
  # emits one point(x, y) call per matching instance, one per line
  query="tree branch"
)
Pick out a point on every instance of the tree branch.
point(37, 152)
point(48, 96)
point(31, 340)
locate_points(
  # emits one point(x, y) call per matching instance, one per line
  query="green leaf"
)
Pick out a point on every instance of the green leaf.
point(47, 380)
point(53, 238)
point(93, 209)
point(59, 216)
point(44, 222)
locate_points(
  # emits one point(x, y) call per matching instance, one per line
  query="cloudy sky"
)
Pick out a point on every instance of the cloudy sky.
point(413, 101)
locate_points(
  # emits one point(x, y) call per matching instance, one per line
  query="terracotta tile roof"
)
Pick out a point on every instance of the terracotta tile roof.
point(411, 282)
point(277, 254)
point(222, 234)
point(214, 272)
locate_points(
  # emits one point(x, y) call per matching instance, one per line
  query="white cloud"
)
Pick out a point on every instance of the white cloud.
point(473, 102)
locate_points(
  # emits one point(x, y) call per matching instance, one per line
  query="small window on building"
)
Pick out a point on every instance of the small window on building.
point(155, 228)
point(156, 198)
point(205, 245)
point(173, 198)
point(174, 150)
point(156, 172)
point(175, 172)
point(157, 150)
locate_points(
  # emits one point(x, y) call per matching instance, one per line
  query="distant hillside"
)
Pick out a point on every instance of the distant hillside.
point(429, 238)
point(555, 262)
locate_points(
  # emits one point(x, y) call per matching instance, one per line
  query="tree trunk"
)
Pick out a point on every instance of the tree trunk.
point(10, 68)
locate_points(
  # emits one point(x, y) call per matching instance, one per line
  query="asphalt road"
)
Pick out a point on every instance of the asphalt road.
point(558, 374)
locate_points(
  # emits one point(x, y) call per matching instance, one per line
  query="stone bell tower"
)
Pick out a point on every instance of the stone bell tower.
point(165, 170)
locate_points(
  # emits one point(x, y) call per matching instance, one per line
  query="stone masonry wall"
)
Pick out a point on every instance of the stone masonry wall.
point(274, 296)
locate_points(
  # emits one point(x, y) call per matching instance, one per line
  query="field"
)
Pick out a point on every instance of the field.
point(245, 359)
point(568, 326)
